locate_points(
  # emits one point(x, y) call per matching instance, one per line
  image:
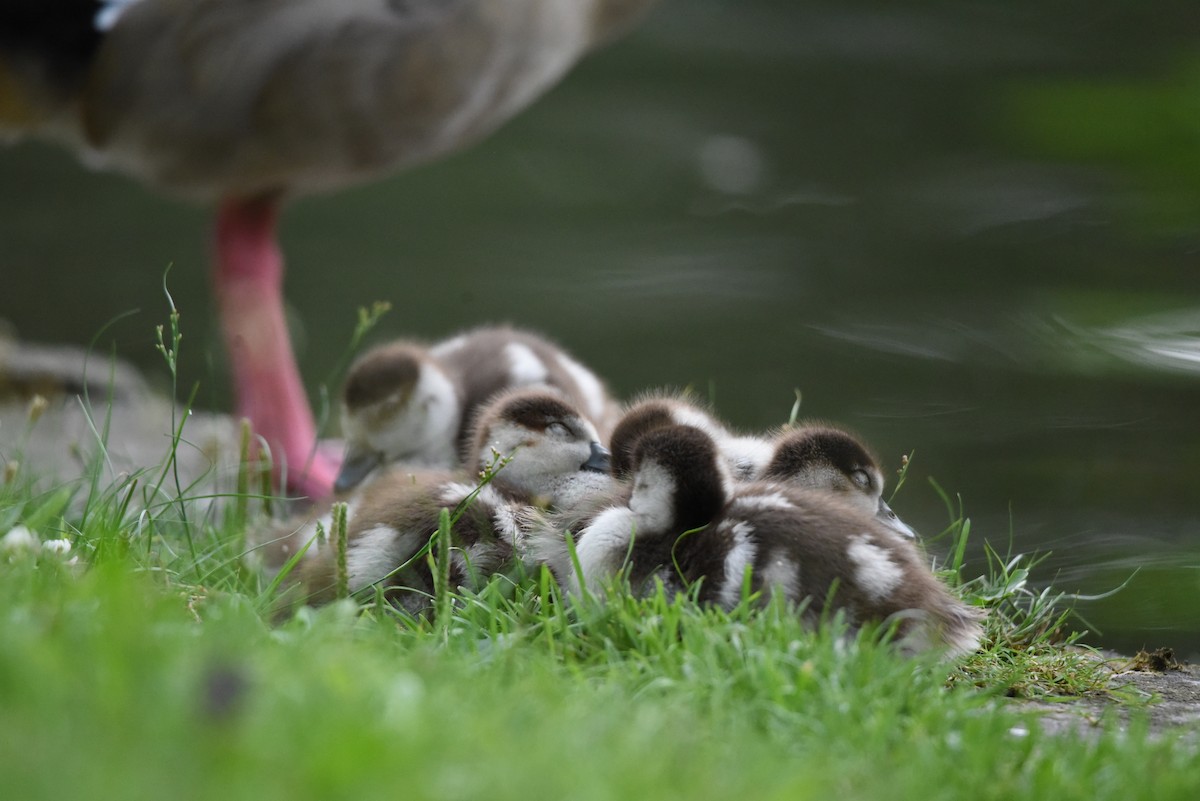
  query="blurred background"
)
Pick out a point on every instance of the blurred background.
point(967, 230)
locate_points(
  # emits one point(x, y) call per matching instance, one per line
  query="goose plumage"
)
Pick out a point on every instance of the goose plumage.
point(247, 102)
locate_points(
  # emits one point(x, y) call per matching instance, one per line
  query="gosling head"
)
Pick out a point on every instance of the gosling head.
point(824, 458)
point(397, 406)
point(640, 419)
point(680, 481)
point(548, 444)
point(659, 410)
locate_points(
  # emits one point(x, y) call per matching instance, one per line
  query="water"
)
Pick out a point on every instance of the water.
point(752, 197)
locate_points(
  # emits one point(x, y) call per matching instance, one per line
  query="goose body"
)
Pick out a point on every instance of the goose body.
point(246, 102)
point(684, 521)
point(403, 402)
point(548, 455)
point(218, 98)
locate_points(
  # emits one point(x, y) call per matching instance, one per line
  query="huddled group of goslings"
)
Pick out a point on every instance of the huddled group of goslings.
point(546, 469)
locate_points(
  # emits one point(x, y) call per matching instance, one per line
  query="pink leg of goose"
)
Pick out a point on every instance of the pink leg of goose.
point(248, 279)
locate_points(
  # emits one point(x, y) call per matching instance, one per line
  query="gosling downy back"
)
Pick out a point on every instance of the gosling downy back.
point(811, 545)
point(490, 359)
point(745, 456)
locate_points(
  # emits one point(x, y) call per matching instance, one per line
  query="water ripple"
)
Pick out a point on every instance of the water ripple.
point(1167, 341)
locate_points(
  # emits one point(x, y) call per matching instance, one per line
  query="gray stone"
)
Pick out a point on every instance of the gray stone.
point(63, 412)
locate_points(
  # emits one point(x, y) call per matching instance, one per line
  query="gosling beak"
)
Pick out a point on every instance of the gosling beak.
point(892, 521)
point(355, 467)
point(599, 461)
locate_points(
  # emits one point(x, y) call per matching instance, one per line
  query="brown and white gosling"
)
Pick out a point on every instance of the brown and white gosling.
point(404, 402)
point(550, 455)
point(807, 545)
point(813, 456)
point(822, 457)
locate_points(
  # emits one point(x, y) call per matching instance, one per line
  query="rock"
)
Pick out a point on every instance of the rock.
point(53, 371)
point(1168, 700)
point(57, 421)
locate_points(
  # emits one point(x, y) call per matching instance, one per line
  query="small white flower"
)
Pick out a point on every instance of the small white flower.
point(61, 547)
point(20, 538)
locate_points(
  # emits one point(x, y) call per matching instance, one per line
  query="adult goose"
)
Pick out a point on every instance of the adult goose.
point(244, 103)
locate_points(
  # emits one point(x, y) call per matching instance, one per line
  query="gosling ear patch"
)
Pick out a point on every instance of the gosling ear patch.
point(535, 410)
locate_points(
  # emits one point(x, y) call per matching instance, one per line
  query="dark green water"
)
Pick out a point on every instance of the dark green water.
point(856, 199)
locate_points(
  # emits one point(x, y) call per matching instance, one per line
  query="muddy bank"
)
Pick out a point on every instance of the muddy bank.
point(1151, 689)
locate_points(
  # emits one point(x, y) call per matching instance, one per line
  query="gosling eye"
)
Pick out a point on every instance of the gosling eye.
point(558, 429)
point(861, 479)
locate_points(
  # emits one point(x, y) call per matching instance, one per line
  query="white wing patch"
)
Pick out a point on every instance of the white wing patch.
point(488, 495)
point(453, 493)
point(507, 522)
point(524, 366)
point(444, 349)
point(740, 557)
point(589, 386)
point(602, 546)
point(759, 502)
point(748, 457)
point(781, 575)
point(687, 416)
point(877, 575)
point(375, 553)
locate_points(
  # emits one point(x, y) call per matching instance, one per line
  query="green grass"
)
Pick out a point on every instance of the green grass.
point(143, 665)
